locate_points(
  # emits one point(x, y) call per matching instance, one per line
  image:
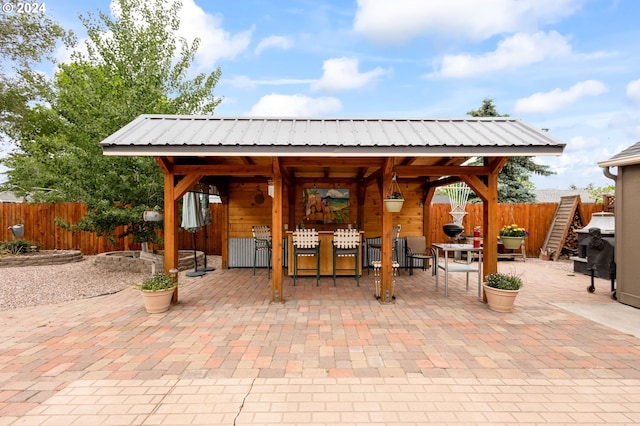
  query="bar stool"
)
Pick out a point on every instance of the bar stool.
point(346, 243)
point(306, 243)
point(261, 242)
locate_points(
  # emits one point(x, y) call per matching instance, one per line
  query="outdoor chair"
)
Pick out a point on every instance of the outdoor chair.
point(261, 242)
point(346, 243)
point(416, 249)
point(306, 243)
point(374, 247)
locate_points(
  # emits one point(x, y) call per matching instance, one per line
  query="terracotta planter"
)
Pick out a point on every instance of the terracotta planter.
point(511, 243)
point(393, 205)
point(156, 302)
point(500, 300)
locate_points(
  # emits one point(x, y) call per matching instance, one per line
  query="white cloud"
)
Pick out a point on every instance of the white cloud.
point(245, 82)
point(513, 52)
point(276, 105)
point(558, 99)
point(343, 74)
point(401, 20)
point(278, 42)
point(633, 91)
point(215, 42)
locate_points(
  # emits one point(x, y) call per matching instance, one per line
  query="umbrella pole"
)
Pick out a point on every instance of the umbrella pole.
point(195, 272)
point(206, 268)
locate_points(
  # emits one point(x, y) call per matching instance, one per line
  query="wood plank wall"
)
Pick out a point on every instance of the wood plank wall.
point(245, 210)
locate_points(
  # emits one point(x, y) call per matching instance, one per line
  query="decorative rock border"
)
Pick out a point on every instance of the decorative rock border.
point(131, 260)
point(42, 257)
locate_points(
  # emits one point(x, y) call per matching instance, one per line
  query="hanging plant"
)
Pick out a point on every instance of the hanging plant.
point(394, 199)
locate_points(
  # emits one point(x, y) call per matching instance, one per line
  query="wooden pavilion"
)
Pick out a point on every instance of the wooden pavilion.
point(363, 153)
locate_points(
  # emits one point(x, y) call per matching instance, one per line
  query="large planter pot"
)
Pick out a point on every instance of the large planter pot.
point(511, 243)
point(500, 300)
point(159, 301)
point(393, 205)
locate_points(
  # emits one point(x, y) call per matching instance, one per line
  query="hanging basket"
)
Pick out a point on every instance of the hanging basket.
point(393, 205)
point(511, 243)
point(393, 199)
point(152, 216)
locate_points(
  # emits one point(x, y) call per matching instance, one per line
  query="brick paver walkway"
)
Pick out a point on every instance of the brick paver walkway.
point(328, 355)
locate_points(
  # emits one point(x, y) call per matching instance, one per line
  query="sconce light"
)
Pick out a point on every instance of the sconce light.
point(270, 188)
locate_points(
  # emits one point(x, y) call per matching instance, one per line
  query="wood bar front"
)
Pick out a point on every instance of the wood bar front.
point(307, 264)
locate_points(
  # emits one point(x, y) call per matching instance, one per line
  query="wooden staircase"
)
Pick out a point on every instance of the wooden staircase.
point(565, 221)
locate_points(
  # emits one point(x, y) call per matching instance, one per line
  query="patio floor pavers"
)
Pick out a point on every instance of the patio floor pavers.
point(327, 355)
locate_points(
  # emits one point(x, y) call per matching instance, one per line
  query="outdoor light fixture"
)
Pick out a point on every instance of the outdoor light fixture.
point(270, 188)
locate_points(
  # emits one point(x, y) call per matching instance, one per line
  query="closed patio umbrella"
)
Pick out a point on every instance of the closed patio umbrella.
point(192, 221)
point(206, 216)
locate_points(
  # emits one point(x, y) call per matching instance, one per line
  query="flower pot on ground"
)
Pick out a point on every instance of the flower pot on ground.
point(157, 292)
point(501, 291)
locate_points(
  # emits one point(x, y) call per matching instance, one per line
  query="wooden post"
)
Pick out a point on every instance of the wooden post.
point(386, 249)
point(276, 234)
point(170, 229)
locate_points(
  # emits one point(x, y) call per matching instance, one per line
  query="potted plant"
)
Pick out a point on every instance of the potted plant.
point(512, 236)
point(394, 199)
point(501, 290)
point(157, 292)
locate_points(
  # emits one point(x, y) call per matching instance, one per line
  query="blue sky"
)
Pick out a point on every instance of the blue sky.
point(572, 66)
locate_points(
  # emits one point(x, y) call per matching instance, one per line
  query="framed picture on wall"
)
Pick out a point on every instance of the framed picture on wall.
point(326, 205)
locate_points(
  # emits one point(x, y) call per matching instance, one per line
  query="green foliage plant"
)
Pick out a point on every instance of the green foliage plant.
point(156, 282)
point(503, 281)
point(133, 63)
point(15, 247)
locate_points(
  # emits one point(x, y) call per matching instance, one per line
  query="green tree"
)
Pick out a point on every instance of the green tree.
point(134, 64)
point(26, 39)
point(514, 184)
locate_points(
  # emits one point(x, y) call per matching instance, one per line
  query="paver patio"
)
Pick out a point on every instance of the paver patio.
point(328, 355)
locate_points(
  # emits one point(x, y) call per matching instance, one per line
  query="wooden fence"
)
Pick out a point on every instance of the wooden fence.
point(40, 228)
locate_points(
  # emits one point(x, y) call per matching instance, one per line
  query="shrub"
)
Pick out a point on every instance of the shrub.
point(156, 282)
point(504, 281)
point(15, 247)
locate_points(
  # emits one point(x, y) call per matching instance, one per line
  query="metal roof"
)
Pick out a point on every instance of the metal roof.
point(185, 135)
point(626, 157)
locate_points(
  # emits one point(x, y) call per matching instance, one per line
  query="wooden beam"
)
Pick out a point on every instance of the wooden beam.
point(170, 229)
point(222, 170)
point(417, 171)
point(289, 162)
point(185, 185)
point(165, 165)
point(386, 249)
point(276, 234)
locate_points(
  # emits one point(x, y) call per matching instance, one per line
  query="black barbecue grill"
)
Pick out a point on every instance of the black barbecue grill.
point(600, 254)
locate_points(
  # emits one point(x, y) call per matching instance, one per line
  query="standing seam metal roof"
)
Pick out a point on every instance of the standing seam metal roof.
point(181, 135)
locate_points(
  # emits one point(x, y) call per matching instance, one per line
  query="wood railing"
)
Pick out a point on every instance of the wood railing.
point(41, 230)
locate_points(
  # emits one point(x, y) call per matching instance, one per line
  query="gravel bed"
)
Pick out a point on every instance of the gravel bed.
point(39, 285)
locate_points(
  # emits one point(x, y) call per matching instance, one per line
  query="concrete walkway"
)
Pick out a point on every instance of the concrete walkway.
point(328, 355)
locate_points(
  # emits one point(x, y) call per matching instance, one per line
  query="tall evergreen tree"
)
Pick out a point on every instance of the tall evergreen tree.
point(514, 184)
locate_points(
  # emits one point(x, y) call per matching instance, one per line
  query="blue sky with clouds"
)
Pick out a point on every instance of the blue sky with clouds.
point(572, 66)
